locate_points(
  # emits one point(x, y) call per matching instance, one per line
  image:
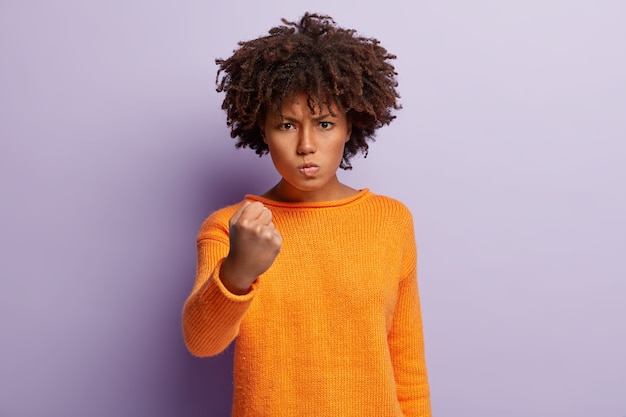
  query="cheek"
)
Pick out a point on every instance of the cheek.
point(340, 150)
point(278, 154)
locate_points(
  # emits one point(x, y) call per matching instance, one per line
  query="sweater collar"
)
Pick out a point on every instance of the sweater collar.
point(361, 195)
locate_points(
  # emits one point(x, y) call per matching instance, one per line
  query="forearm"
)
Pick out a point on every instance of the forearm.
point(212, 315)
point(407, 348)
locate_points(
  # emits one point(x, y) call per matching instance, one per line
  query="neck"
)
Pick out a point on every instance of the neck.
point(284, 192)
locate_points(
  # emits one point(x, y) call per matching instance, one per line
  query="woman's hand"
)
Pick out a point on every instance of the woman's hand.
point(254, 244)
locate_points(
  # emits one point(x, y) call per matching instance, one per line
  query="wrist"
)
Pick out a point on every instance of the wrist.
point(232, 280)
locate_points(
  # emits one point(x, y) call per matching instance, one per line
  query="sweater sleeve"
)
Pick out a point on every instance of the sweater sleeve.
point(211, 314)
point(406, 341)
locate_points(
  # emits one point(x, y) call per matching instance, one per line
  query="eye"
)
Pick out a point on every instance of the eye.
point(326, 125)
point(286, 126)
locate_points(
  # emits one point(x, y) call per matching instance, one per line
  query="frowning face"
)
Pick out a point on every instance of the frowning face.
point(306, 149)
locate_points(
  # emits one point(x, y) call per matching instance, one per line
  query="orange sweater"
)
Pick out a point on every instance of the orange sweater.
point(333, 328)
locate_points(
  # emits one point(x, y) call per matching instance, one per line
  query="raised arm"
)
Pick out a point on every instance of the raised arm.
point(229, 263)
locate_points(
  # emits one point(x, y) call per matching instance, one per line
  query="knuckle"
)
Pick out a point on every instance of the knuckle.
point(256, 205)
point(245, 223)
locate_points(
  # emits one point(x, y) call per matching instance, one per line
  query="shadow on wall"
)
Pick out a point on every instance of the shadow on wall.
point(220, 182)
point(209, 383)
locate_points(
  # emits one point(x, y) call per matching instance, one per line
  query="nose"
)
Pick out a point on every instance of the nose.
point(306, 142)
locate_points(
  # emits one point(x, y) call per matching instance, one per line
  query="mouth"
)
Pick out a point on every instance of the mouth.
point(308, 170)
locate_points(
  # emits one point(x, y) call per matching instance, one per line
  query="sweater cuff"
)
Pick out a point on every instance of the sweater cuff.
point(243, 298)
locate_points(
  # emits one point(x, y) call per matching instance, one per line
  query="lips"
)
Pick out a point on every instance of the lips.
point(308, 170)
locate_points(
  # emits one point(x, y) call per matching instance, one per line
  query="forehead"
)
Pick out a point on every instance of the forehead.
point(301, 101)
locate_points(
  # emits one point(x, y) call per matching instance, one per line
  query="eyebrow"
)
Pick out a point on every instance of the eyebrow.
point(318, 118)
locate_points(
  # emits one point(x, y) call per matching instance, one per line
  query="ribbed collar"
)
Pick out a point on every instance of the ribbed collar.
point(361, 195)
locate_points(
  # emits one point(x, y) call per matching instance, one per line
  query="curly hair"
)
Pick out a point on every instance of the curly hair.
point(328, 63)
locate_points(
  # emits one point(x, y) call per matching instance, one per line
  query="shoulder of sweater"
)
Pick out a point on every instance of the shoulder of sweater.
point(391, 205)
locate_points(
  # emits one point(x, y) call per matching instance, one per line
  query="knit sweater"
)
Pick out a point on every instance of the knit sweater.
point(333, 328)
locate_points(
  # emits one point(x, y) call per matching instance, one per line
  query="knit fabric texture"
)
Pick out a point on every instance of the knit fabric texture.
point(334, 327)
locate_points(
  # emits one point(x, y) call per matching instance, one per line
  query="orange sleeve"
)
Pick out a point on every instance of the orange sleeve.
point(406, 340)
point(212, 315)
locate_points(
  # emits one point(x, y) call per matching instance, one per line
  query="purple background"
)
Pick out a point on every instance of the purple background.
point(510, 151)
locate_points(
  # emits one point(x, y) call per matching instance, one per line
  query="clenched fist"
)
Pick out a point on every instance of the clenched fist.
point(254, 244)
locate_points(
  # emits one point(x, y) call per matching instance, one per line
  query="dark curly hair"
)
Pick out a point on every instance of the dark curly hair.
point(314, 56)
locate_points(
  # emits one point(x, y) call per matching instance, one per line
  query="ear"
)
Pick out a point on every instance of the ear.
point(349, 132)
point(262, 131)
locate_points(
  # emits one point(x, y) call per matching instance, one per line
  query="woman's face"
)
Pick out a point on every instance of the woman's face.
point(306, 148)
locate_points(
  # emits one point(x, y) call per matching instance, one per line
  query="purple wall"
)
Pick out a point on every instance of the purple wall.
point(114, 149)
